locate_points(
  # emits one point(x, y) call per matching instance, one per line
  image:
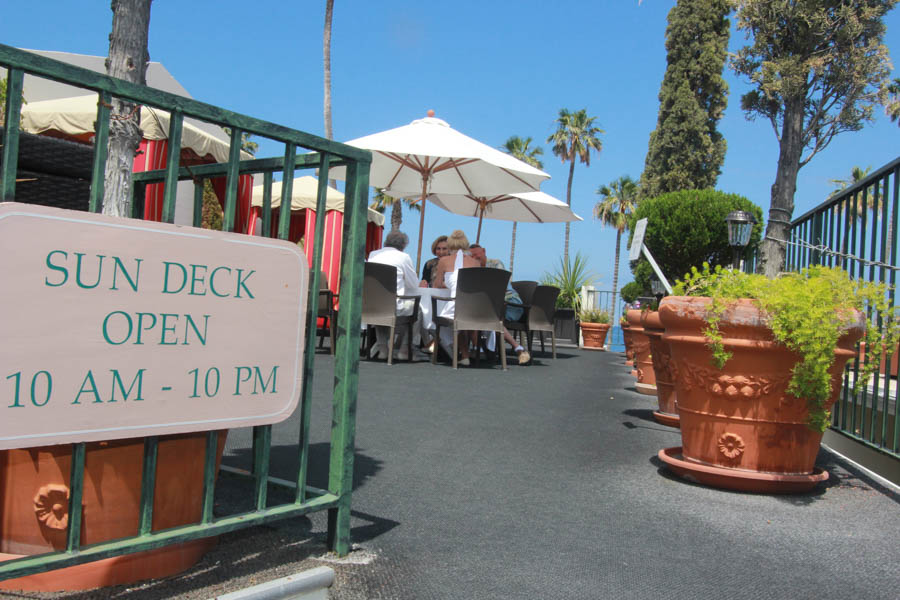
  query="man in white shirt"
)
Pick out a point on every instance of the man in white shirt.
point(407, 280)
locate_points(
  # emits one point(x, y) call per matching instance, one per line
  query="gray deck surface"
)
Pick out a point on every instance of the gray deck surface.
point(542, 483)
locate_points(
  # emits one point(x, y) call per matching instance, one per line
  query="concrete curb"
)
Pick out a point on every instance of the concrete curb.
point(307, 585)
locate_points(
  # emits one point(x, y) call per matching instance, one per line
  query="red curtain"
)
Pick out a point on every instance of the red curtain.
point(152, 156)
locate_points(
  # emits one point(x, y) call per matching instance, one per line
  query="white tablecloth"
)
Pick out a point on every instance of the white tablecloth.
point(425, 303)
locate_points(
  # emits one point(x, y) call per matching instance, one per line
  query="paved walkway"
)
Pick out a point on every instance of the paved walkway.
point(542, 483)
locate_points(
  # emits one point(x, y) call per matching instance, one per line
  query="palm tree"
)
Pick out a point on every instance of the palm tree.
point(520, 149)
point(381, 201)
point(893, 106)
point(574, 137)
point(326, 58)
point(620, 199)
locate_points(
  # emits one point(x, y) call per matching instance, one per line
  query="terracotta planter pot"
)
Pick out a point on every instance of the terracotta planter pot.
point(629, 349)
point(739, 427)
point(34, 489)
point(661, 354)
point(646, 378)
point(594, 334)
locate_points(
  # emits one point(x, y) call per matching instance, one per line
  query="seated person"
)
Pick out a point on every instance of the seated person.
point(439, 249)
point(513, 313)
point(393, 254)
point(445, 277)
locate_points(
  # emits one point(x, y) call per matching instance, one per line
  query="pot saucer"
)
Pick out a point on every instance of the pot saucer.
point(668, 419)
point(735, 479)
point(645, 388)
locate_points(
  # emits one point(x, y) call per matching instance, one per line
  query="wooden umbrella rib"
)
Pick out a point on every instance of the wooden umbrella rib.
point(511, 174)
point(528, 208)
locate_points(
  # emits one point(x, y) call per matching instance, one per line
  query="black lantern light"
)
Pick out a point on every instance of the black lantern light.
point(740, 226)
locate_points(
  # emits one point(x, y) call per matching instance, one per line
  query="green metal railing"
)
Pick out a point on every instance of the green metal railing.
point(324, 155)
point(856, 230)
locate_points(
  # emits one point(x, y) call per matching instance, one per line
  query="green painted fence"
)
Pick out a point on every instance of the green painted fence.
point(317, 153)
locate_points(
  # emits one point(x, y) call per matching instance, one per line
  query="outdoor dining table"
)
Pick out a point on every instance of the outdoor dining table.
point(425, 303)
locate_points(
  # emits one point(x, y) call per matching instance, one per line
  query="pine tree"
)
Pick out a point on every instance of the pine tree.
point(686, 151)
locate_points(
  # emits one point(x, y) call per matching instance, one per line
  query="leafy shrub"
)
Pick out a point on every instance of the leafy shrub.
point(688, 228)
point(631, 291)
point(593, 315)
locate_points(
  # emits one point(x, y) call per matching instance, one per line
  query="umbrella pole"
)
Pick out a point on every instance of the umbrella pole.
point(480, 218)
point(421, 222)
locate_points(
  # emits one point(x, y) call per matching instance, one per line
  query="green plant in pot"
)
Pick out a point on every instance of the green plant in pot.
point(758, 365)
point(594, 327)
point(569, 276)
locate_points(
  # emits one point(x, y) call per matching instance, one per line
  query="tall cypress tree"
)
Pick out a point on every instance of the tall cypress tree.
point(686, 151)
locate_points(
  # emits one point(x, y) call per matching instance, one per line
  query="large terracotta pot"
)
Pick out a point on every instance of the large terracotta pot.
point(594, 334)
point(661, 354)
point(643, 362)
point(739, 427)
point(626, 338)
point(34, 490)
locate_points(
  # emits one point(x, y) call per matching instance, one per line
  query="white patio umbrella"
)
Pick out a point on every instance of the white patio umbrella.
point(528, 207)
point(429, 156)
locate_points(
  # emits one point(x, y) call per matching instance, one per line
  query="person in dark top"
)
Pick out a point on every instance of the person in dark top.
point(439, 249)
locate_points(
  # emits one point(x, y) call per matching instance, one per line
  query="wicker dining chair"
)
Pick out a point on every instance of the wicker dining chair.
point(326, 313)
point(379, 305)
point(539, 316)
point(479, 306)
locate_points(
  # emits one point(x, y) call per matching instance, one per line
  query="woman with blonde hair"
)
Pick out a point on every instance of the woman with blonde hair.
point(445, 277)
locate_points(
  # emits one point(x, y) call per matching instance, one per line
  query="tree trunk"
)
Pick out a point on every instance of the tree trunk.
point(396, 215)
point(128, 58)
point(512, 247)
point(326, 54)
point(616, 273)
point(778, 229)
point(569, 202)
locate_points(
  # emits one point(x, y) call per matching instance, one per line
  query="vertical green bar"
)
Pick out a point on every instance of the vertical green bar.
point(262, 445)
point(173, 162)
point(76, 489)
point(816, 257)
point(10, 150)
point(148, 484)
point(346, 371)
point(267, 205)
point(209, 475)
point(136, 202)
point(101, 148)
point(895, 444)
point(287, 191)
point(198, 202)
point(231, 186)
point(312, 315)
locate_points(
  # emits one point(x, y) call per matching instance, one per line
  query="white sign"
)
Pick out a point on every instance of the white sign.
point(116, 328)
point(638, 240)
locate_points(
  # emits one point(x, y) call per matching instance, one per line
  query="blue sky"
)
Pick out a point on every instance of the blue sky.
point(490, 69)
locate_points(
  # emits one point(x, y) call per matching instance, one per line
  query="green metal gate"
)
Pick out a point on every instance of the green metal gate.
point(323, 155)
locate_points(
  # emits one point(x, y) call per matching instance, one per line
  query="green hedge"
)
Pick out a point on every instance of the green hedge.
point(686, 229)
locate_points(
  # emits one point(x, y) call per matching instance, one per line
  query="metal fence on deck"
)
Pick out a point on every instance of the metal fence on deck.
point(612, 303)
point(322, 155)
point(856, 230)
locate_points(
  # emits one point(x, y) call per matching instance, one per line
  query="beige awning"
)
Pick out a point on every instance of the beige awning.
point(76, 115)
point(303, 195)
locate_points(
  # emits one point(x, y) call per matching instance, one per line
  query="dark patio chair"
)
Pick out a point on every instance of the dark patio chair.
point(525, 290)
point(479, 307)
point(379, 305)
point(539, 316)
point(326, 312)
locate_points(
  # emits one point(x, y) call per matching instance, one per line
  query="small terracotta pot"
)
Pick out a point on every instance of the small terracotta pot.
point(629, 349)
point(594, 334)
point(34, 490)
point(641, 343)
point(661, 354)
point(741, 419)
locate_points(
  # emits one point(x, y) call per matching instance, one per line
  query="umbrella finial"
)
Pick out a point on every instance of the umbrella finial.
point(430, 112)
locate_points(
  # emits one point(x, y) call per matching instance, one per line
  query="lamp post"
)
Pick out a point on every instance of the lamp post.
point(740, 226)
point(657, 287)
